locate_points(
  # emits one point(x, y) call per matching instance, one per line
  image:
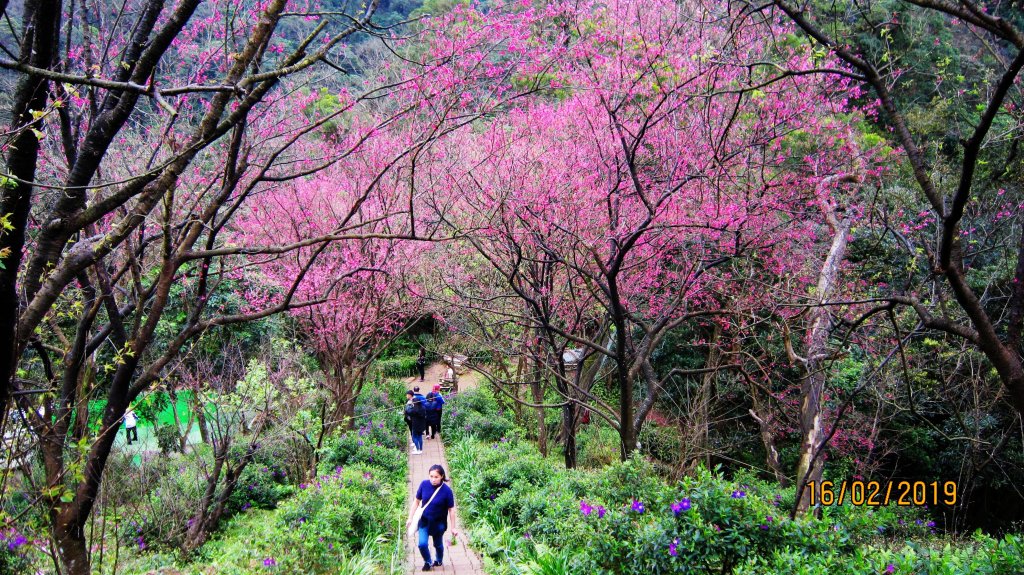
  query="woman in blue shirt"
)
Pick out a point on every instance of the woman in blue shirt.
point(438, 514)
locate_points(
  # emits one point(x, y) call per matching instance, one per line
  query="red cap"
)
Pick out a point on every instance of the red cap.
point(437, 387)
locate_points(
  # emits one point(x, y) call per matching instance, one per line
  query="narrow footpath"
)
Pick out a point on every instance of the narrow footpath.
point(458, 558)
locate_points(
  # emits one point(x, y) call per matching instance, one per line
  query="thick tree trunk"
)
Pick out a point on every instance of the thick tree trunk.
point(538, 399)
point(40, 25)
point(810, 466)
point(759, 413)
point(517, 392)
point(627, 430)
point(568, 426)
point(71, 549)
point(196, 403)
point(695, 445)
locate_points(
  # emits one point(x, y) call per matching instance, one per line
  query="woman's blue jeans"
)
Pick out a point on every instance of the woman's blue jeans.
point(417, 440)
point(438, 535)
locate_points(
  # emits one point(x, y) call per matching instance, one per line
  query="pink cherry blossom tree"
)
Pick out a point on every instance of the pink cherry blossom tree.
point(620, 205)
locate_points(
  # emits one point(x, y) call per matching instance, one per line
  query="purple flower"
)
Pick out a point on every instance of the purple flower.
point(739, 494)
point(637, 506)
point(681, 505)
point(18, 542)
point(527, 535)
point(930, 524)
point(360, 443)
point(302, 486)
point(367, 475)
point(890, 568)
point(600, 511)
point(585, 509)
point(769, 519)
point(672, 547)
point(269, 562)
point(141, 542)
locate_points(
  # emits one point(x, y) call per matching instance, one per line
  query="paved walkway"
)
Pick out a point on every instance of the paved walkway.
point(458, 559)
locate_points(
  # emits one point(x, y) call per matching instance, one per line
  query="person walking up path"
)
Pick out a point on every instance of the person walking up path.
point(458, 558)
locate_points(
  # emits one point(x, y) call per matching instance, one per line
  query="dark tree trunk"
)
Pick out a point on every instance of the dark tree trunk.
point(569, 424)
point(71, 549)
point(214, 501)
point(200, 413)
point(538, 399)
point(41, 23)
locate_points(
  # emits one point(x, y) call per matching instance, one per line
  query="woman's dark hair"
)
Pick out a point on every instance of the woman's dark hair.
point(439, 470)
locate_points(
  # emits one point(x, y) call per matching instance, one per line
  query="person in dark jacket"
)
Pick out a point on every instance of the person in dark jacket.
point(421, 363)
point(416, 419)
point(435, 405)
point(438, 515)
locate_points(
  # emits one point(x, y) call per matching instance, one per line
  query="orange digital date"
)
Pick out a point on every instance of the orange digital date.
point(879, 493)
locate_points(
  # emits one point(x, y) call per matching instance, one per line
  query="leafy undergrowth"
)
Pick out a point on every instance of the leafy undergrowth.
point(528, 514)
point(346, 521)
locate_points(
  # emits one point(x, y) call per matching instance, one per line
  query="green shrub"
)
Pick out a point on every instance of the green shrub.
point(625, 518)
point(365, 448)
point(352, 512)
point(396, 367)
point(474, 413)
point(262, 485)
point(168, 439)
point(984, 556)
point(597, 446)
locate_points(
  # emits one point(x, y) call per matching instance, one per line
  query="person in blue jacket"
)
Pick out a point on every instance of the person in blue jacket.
point(438, 515)
point(435, 405)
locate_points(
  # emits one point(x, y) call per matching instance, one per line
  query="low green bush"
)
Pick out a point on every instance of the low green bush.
point(396, 367)
point(475, 414)
point(597, 446)
point(262, 485)
point(371, 448)
point(346, 520)
point(625, 518)
point(324, 526)
point(983, 555)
